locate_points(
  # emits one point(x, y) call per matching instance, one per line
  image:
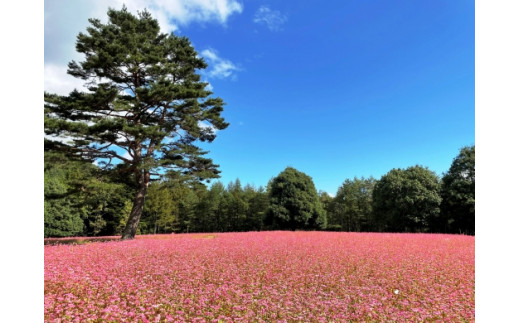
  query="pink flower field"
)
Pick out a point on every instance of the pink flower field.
point(264, 277)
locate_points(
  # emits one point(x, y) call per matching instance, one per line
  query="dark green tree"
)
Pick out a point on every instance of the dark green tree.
point(80, 198)
point(294, 202)
point(104, 203)
point(236, 206)
point(326, 203)
point(258, 205)
point(145, 107)
point(458, 194)
point(351, 208)
point(61, 217)
point(325, 199)
point(406, 200)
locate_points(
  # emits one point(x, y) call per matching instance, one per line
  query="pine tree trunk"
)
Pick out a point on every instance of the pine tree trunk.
point(143, 179)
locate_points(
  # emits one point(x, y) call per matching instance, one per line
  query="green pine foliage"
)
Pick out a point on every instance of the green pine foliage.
point(160, 214)
point(146, 106)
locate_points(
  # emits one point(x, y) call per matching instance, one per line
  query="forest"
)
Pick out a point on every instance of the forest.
point(82, 199)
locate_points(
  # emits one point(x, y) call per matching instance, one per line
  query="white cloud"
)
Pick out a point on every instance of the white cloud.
point(219, 67)
point(172, 13)
point(205, 126)
point(56, 80)
point(208, 87)
point(210, 54)
point(64, 20)
point(273, 19)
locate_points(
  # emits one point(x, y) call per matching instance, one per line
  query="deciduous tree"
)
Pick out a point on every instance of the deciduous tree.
point(406, 200)
point(294, 202)
point(458, 194)
point(351, 208)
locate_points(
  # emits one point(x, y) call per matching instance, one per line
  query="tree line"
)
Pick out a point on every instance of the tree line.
point(143, 112)
point(82, 199)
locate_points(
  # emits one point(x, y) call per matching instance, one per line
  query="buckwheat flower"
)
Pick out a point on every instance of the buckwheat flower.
point(263, 277)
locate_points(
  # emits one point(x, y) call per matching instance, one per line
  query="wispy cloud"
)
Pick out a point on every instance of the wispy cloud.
point(273, 19)
point(219, 67)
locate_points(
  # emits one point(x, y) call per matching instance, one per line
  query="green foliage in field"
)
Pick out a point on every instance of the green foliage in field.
point(62, 217)
point(351, 208)
point(160, 212)
point(174, 206)
point(83, 199)
point(294, 202)
point(458, 194)
point(406, 200)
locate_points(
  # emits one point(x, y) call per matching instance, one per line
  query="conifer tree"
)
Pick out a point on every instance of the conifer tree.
point(146, 106)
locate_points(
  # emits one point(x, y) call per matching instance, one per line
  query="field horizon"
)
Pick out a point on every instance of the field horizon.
point(97, 239)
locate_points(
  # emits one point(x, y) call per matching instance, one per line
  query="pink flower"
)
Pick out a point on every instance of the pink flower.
point(263, 277)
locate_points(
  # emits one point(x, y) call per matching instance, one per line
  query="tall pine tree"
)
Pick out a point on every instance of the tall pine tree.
point(146, 106)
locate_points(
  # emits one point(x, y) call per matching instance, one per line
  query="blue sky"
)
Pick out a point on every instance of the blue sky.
point(336, 89)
